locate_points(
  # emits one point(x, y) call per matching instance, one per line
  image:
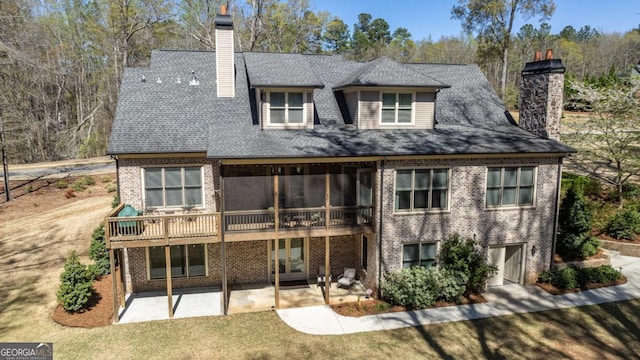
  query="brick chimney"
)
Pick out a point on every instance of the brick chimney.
point(541, 96)
point(225, 69)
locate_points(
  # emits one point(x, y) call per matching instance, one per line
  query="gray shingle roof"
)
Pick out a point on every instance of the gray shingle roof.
point(386, 72)
point(280, 70)
point(171, 117)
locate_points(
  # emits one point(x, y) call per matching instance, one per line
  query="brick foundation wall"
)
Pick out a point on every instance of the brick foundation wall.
point(247, 262)
point(342, 251)
point(467, 214)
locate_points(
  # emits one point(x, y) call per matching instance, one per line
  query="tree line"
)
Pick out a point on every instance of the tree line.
point(61, 61)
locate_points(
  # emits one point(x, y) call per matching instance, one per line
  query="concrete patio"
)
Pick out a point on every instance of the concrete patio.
point(150, 306)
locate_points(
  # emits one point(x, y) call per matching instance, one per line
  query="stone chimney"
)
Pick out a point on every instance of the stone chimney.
point(541, 96)
point(225, 69)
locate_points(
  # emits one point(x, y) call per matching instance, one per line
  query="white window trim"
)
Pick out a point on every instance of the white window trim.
point(182, 166)
point(396, 123)
point(206, 264)
point(286, 124)
point(437, 244)
point(516, 206)
point(412, 210)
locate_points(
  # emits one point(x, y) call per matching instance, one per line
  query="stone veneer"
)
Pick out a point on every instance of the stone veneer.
point(467, 214)
point(541, 99)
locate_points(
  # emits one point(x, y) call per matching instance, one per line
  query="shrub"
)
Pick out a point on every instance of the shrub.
point(415, 287)
point(583, 184)
point(88, 180)
point(630, 191)
point(78, 185)
point(111, 188)
point(75, 284)
point(461, 256)
point(105, 179)
point(382, 307)
point(571, 278)
point(624, 225)
point(61, 184)
point(98, 251)
point(115, 202)
point(604, 274)
point(452, 285)
point(574, 226)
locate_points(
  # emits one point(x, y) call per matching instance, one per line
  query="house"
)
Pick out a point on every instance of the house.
point(241, 158)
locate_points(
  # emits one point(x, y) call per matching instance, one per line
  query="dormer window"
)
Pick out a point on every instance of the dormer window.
point(286, 108)
point(397, 108)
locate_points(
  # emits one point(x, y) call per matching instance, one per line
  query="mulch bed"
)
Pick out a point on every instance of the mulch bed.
point(99, 312)
point(557, 291)
point(371, 307)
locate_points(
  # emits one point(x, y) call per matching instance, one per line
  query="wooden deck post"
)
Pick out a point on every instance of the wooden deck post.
point(276, 226)
point(223, 251)
point(167, 257)
point(327, 239)
point(120, 257)
point(112, 266)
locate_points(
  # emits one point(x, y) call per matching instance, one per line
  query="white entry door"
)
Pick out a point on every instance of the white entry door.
point(508, 259)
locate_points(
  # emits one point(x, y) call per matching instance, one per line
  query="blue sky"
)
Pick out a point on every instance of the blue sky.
point(424, 18)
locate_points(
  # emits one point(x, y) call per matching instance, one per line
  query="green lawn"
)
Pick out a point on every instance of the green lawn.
point(594, 332)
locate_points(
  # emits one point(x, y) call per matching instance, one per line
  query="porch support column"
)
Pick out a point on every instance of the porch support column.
point(167, 258)
point(327, 239)
point(276, 226)
point(223, 249)
point(120, 257)
point(112, 267)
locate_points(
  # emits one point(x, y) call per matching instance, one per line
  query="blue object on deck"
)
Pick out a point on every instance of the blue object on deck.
point(128, 211)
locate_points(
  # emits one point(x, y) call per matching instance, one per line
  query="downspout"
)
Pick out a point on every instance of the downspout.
point(381, 167)
point(557, 214)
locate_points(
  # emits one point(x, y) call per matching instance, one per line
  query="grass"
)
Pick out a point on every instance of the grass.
point(604, 331)
point(32, 254)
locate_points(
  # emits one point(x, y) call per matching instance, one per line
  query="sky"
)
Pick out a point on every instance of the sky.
point(432, 18)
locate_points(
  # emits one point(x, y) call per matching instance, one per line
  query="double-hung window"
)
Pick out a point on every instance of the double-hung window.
point(173, 186)
point(396, 108)
point(421, 189)
point(510, 186)
point(422, 254)
point(186, 261)
point(286, 108)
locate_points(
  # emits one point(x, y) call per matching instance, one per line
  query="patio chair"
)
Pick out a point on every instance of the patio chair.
point(322, 276)
point(347, 278)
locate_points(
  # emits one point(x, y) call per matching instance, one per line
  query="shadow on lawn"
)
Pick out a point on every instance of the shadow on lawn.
point(18, 301)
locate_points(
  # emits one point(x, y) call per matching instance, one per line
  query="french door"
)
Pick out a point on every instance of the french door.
point(291, 259)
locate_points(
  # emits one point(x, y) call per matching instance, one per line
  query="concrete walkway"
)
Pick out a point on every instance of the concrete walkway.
point(504, 300)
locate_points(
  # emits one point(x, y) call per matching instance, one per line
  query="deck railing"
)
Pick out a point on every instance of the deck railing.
point(161, 227)
point(252, 220)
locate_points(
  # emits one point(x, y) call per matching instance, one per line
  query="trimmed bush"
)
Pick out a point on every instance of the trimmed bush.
point(115, 202)
point(75, 284)
point(590, 246)
point(462, 256)
point(61, 184)
point(78, 186)
point(571, 278)
point(88, 180)
point(419, 287)
point(624, 224)
point(98, 251)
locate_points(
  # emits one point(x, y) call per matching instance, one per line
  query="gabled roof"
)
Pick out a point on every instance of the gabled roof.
point(172, 117)
point(280, 70)
point(386, 72)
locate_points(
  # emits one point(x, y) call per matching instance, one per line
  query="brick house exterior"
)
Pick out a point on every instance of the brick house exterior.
point(338, 160)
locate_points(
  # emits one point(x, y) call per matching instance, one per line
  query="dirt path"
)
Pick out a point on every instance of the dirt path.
point(32, 253)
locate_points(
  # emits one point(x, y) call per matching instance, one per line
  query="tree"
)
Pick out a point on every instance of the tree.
point(574, 226)
point(75, 284)
point(493, 20)
point(198, 20)
point(610, 135)
point(336, 36)
point(98, 251)
point(369, 37)
point(401, 47)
